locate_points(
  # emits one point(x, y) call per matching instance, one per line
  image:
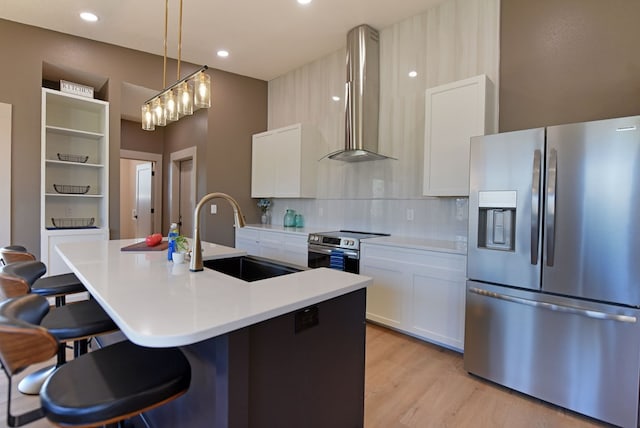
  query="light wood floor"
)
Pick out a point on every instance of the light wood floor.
point(410, 383)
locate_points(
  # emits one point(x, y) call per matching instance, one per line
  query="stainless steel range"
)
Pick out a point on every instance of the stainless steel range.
point(338, 249)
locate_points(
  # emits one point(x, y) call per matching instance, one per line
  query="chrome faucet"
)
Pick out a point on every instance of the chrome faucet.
point(195, 265)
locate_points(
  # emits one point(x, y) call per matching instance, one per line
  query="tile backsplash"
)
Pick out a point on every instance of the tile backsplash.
point(433, 218)
point(452, 41)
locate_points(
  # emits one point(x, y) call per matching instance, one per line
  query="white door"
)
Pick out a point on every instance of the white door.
point(187, 203)
point(144, 190)
point(128, 200)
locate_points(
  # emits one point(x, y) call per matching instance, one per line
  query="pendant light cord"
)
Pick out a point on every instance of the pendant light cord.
point(179, 43)
point(166, 23)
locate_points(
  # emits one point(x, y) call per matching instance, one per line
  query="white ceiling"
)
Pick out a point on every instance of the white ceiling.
point(266, 38)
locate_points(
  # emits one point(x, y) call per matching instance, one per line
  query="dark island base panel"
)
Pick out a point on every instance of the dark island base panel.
point(302, 369)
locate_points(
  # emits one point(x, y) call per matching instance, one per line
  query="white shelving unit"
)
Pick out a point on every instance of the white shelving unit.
point(74, 173)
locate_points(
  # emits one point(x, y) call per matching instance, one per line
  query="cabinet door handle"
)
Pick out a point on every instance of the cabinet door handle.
point(576, 310)
point(552, 179)
point(535, 207)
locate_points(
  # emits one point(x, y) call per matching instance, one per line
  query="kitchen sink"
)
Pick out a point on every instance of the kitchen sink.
point(251, 268)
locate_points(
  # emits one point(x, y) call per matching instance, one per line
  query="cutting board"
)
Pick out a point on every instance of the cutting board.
point(142, 246)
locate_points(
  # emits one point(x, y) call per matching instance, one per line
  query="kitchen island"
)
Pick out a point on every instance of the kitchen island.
point(283, 351)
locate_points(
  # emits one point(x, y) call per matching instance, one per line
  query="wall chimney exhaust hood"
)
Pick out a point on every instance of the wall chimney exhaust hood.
point(361, 97)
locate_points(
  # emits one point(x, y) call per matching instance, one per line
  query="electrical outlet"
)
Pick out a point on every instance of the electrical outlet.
point(214, 209)
point(460, 209)
point(68, 212)
point(410, 214)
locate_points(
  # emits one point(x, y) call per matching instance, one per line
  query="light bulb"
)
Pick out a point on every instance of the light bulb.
point(202, 91)
point(89, 17)
point(147, 118)
point(185, 99)
point(170, 106)
point(159, 115)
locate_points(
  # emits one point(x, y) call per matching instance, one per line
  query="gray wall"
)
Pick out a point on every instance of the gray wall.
point(564, 61)
point(21, 77)
point(455, 40)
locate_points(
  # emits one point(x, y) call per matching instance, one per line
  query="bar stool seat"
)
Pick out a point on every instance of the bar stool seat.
point(114, 383)
point(50, 286)
point(63, 284)
point(77, 321)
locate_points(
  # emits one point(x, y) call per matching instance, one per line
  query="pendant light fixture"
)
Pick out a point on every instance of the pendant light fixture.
point(183, 97)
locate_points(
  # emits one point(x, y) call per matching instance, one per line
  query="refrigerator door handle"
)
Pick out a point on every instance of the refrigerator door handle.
point(535, 207)
point(577, 310)
point(552, 179)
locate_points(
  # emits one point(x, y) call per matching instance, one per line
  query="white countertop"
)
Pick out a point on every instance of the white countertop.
point(455, 247)
point(279, 228)
point(427, 244)
point(158, 304)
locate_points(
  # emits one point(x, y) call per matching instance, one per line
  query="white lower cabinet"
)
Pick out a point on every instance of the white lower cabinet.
point(387, 301)
point(282, 246)
point(50, 238)
point(419, 292)
point(248, 240)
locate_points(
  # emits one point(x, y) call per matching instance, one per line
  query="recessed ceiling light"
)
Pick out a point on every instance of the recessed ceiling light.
point(88, 16)
point(413, 73)
point(223, 54)
point(304, 1)
point(335, 98)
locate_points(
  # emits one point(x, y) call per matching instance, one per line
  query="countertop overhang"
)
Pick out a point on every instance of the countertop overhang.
point(157, 303)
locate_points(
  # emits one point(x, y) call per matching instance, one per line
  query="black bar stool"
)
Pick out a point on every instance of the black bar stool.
point(58, 286)
point(75, 323)
point(101, 387)
point(14, 253)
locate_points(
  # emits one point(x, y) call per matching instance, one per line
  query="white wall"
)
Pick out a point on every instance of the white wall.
point(453, 41)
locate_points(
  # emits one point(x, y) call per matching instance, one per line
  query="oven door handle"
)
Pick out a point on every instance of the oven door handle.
point(324, 250)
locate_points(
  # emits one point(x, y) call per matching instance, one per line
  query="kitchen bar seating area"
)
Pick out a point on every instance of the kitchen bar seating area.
point(98, 388)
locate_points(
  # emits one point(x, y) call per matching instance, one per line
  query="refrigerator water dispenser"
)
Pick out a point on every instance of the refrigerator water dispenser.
point(496, 220)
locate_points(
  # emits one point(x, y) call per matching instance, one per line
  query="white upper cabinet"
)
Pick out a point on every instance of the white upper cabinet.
point(75, 173)
point(283, 163)
point(454, 113)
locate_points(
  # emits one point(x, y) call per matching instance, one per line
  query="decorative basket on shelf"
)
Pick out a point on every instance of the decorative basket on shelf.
point(69, 189)
point(72, 223)
point(73, 158)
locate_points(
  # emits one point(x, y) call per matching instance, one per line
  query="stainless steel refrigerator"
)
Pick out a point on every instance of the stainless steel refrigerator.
point(553, 290)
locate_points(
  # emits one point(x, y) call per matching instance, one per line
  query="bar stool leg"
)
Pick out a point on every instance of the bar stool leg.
point(31, 384)
point(80, 347)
